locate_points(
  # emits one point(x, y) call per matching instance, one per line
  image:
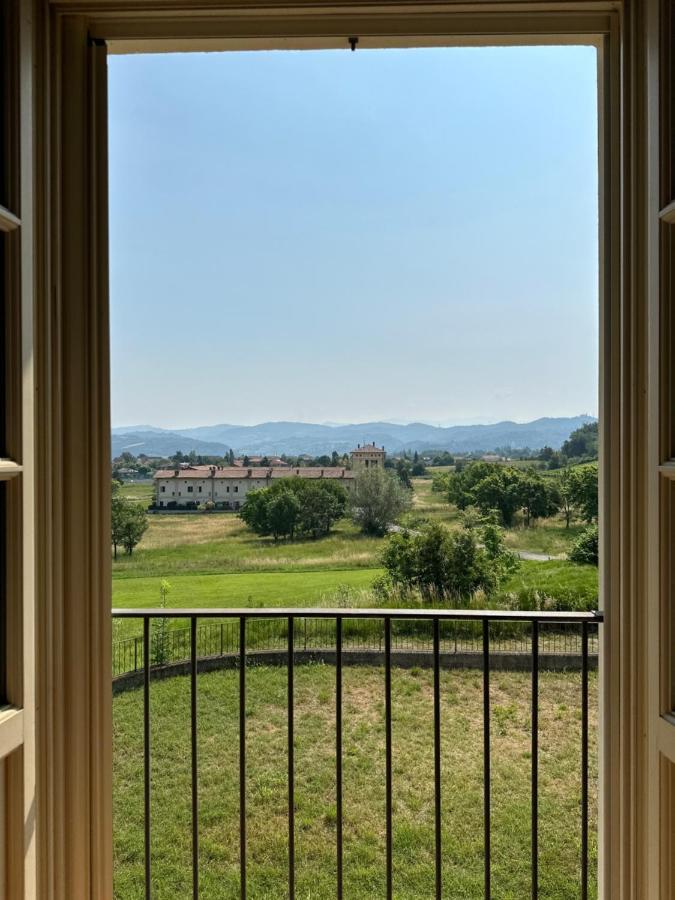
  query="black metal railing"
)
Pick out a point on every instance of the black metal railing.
point(221, 639)
point(244, 619)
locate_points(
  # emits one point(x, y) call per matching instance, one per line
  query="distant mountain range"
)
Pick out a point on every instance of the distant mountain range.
point(294, 438)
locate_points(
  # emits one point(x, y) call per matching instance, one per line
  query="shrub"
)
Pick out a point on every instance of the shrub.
point(585, 548)
point(442, 564)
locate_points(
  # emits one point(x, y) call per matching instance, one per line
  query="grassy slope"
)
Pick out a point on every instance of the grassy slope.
point(363, 780)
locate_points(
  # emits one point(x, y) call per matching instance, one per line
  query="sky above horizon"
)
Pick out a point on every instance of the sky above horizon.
point(327, 236)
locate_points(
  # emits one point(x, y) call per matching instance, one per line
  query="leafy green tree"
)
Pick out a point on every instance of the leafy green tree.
point(118, 516)
point(539, 498)
point(134, 527)
point(582, 443)
point(378, 499)
point(418, 469)
point(282, 513)
point(585, 491)
point(585, 549)
point(128, 522)
point(403, 470)
point(566, 495)
point(500, 490)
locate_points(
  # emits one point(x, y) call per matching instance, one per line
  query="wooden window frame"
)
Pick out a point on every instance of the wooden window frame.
point(64, 45)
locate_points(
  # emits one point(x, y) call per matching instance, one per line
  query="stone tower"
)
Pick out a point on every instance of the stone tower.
point(368, 457)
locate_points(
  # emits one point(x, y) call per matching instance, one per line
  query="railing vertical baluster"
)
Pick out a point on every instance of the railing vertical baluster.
point(388, 774)
point(242, 756)
point(146, 755)
point(437, 756)
point(486, 756)
point(338, 750)
point(584, 761)
point(193, 727)
point(535, 759)
point(291, 785)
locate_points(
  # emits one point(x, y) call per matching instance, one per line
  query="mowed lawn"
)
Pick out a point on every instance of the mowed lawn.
point(364, 798)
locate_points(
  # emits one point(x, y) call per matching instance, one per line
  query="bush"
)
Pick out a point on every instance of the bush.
point(585, 549)
point(442, 564)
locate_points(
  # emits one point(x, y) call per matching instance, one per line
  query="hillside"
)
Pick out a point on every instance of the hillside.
point(301, 437)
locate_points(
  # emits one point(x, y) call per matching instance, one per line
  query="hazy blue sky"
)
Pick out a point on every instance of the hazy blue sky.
point(336, 236)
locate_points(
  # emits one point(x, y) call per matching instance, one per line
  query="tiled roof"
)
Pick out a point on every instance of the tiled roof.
point(256, 472)
point(368, 448)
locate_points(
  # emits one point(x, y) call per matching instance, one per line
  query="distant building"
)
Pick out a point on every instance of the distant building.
point(186, 486)
point(492, 457)
point(368, 457)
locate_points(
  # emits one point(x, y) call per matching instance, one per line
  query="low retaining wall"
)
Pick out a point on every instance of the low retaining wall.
point(403, 659)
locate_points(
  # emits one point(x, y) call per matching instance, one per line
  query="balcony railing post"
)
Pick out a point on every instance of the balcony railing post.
point(291, 766)
point(195, 783)
point(338, 751)
point(486, 758)
point(535, 759)
point(146, 757)
point(242, 756)
point(584, 761)
point(437, 758)
point(388, 769)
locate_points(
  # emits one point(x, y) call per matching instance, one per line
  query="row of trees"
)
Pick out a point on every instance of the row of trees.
point(129, 522)
point(508, 491)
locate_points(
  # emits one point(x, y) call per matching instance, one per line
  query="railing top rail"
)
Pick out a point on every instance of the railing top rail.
point(276, 612)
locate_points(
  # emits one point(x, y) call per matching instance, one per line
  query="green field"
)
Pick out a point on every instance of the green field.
point(214, 560)
point(364, 821)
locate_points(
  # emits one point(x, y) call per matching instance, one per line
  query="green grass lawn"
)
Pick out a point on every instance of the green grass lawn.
point(234, 590)
point(220, 542)
point(143, 493)
point(364, 819)
point(553, 578)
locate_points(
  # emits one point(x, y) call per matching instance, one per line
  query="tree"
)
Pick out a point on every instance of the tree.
point(585, 491)
point(582, 443)
point(134, 527)
point(230, 456)
point(418, 469)
point(283, 513)
point(539, 498)
point(403, 471)
point(566, 495)
point(585, 549)
point(377, 500)
point(500, 490)
point(118, 516)
point(128, 523)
